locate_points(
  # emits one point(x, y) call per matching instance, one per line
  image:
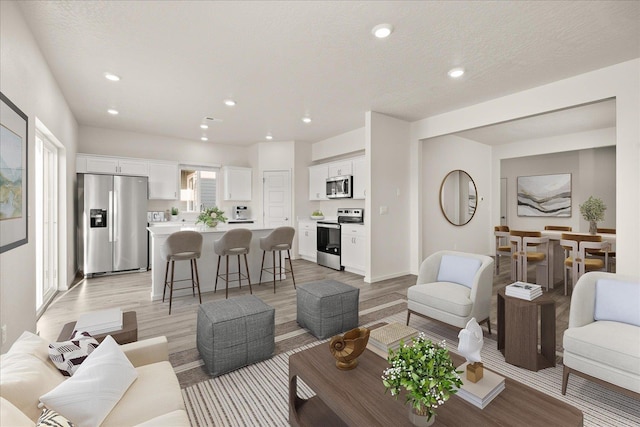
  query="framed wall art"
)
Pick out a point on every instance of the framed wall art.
point(545, 195)
point(14, 126)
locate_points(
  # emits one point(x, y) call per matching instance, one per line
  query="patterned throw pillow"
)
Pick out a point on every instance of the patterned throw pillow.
point(68, 355)
point(51, 418)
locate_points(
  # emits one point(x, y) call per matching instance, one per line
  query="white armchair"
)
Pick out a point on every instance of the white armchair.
point(452, 288)
point(602, 342)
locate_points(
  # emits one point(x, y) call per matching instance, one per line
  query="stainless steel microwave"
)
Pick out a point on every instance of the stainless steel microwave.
point(339, 187)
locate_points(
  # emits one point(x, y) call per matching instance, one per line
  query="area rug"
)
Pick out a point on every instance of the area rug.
point(289, 335)
point(258, 394)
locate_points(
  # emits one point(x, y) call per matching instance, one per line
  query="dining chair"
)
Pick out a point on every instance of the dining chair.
point(181, 246)
point(503, 247)
point(578, 248)
point(234, 242)
point(522, 256)
point(611, 254)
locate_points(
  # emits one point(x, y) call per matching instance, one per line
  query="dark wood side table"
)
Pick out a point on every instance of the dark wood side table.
point(518, 331)
point(128, 333)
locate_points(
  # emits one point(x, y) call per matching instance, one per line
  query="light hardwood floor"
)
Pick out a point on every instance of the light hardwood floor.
point(132, 292)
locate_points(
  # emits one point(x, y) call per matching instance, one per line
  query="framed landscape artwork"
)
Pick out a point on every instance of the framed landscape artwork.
point(545, 195)
point(13, 175)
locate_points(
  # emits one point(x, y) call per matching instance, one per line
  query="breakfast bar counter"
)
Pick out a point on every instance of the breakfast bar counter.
point(208, 261)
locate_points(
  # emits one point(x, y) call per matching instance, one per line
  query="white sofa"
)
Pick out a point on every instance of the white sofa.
point(453, 287)
point(154, 398)
point(602, 342)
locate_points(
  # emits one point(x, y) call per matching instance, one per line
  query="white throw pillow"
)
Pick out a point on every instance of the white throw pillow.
point(617, 301)
point(458, 269)
point(96, 387)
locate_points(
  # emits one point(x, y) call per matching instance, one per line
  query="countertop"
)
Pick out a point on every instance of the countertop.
point(221, 228)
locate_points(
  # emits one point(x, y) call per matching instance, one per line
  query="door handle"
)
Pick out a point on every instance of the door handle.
point(286, 219)
point(110, 217)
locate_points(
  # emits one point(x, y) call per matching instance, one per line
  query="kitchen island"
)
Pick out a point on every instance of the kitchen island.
point(208, 261)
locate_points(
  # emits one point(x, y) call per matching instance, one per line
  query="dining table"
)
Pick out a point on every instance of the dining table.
point(556, 252)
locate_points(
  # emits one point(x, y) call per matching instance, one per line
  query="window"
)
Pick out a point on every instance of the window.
point(198, 187)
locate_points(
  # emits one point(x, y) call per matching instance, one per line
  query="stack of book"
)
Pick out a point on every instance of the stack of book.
point(480, 394)
point(389, 336)
point(523, 290)
point(100, 322)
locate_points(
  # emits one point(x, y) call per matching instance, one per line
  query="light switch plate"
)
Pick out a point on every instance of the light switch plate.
point(4, 334)
point(384, 210)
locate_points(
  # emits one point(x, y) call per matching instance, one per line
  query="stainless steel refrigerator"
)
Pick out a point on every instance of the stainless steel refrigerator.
point(112, 223)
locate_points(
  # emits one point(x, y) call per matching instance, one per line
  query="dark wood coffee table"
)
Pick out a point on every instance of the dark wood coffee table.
point(128, 333)
point(357, 398)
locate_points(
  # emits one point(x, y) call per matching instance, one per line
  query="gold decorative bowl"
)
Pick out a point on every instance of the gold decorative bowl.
point(346, 348)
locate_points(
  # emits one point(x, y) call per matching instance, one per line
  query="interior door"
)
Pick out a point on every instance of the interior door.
point(276, 198)
point(503, 201)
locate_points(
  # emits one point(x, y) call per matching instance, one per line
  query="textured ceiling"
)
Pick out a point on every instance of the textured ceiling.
point(281, 60)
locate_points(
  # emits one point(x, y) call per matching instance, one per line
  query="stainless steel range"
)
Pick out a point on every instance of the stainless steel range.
point(329, 236)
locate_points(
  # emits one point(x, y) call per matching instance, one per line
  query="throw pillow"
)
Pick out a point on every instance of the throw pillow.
point(96, 387)
point(68, 355)
point(458, 269)
point(617, 301)
point(50, 418)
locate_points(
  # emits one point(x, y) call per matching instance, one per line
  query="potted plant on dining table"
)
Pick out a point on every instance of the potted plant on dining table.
point(425, 371)
point(593, 211)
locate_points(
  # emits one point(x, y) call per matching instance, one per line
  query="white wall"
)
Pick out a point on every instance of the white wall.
point(387, 154)
point(440, 156)
point(26, 80)
point(593, 173)
point(348, 142)
point(621, 81)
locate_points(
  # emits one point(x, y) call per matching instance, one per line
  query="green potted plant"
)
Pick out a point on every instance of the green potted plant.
point(211, 217)
point(317, 214)
point(174, 213)
point(426, 372)
point(593, 211)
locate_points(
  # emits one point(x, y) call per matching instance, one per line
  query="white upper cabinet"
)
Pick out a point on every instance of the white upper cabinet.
point(111, 165)
point(340, 168)
point(318, 182)
point(163, 181)
point(237, 183)
point(359, 178)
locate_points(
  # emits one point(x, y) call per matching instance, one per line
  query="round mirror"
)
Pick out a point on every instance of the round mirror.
point(458, 197)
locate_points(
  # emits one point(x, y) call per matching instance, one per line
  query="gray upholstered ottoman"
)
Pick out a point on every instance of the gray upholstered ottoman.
point(235, 332)
point(327, 307)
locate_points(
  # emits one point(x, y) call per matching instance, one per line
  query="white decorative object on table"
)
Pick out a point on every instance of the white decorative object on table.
point(470, 342)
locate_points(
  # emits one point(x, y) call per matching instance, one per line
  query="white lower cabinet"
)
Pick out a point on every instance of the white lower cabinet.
point(307, 240)
point(353, 247)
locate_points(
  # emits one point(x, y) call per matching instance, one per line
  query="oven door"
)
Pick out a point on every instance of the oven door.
point(329, 239)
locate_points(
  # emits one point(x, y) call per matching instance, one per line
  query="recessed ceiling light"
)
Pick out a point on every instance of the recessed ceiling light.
point(204, 126)
point(112, 77)
point(229, 102)
point(306, 120)
point(382, 31)
point(204, 138)
point(456, 72)
point(269, 137)
point(113, 112)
